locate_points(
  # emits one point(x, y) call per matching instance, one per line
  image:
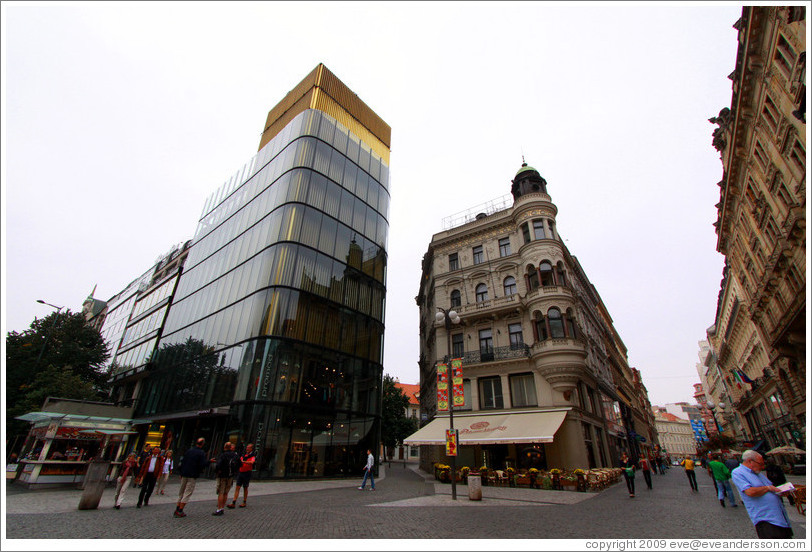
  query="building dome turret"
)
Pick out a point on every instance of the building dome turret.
point(527, 181)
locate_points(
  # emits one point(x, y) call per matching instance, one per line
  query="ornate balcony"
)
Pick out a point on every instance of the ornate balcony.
point(563, 345)
point(508, 302)
point(554, 293)
point(498, 353)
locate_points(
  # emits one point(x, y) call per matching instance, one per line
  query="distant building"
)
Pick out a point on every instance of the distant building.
point(546, 377)
point(759, 334)
point(412, 391)
point(675, 434)
point(690, 412)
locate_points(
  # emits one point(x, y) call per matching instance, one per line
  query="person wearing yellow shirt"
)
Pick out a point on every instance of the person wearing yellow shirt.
point(689, 466)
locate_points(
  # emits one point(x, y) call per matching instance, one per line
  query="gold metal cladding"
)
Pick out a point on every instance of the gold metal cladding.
point(322, 90)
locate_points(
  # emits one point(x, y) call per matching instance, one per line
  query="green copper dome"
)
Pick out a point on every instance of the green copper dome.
point(525, 167)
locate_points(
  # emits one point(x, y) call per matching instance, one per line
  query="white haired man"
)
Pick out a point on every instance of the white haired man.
point(761, 498)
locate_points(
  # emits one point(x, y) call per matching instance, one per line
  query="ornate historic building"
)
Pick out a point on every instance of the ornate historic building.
point(759, 335)
point(676, 435)
point(545, 374)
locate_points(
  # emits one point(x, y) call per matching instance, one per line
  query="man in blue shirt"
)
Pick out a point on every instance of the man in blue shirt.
point(761, 498)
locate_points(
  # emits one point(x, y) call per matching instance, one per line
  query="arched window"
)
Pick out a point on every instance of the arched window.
point(540, 324)
point(560, 276)
point(481, 293)
point(570, 320)
point(456, 298)
point(556, 323)
point(532, 276)
point(546, 271)
point(510, 286)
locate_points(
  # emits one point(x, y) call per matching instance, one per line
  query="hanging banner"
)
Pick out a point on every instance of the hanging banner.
point(458, 393)
point(442, 387)
point(451, 439)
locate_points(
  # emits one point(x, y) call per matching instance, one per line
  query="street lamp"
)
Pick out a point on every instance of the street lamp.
point(450, 318)
point(50, 328)
point(711, 406)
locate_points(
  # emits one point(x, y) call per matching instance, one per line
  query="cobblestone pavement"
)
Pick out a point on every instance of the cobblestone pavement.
point(405, 505)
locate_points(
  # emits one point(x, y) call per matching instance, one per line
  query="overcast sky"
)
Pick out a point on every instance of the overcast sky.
point(120, 119)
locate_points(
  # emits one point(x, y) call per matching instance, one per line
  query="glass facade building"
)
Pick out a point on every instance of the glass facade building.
point(275, 334)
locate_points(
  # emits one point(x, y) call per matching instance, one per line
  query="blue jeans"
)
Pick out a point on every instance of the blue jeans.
point(723, 487)
point(368, 473)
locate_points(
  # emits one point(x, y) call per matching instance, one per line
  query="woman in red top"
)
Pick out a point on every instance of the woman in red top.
point(644, 465)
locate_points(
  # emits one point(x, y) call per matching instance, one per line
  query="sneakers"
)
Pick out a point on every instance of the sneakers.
point(218, 512)
point(179, 513)
point(360, 488)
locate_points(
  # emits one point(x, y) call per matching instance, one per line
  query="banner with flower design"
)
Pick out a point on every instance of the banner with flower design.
point(451, 440)
point(456, 379)
point(442, 387)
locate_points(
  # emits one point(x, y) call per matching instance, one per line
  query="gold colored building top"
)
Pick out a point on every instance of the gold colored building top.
point(322, 90)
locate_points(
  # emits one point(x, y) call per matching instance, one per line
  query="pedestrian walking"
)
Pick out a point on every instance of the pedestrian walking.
point(761, 498)
point(368, 471)
point(244, 475)
point(721, 475)
point(148, 476)
point(689, 465)
point(142, 456)
point(168, 466)
point(191, 465)
point(225, 468)
point(706, 464)
point(645, 467)
point(128, 469)
point(628, 472)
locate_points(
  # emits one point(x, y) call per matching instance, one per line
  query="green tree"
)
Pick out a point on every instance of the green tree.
point(395, 425)
point(716, 442)
point(58, 356)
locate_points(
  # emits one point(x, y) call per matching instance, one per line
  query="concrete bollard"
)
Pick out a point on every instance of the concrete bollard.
point(474, 487)
point(94, 483)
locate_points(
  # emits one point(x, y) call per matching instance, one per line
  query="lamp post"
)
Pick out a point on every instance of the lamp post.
point(50, 328)
point(450, 318)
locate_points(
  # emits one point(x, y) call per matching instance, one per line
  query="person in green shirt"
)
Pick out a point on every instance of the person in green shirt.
point(722, 477)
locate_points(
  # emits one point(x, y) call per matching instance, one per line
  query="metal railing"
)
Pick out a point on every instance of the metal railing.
point(520, 350)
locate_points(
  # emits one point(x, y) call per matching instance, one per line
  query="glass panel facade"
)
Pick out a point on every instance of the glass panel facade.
point(277, 320)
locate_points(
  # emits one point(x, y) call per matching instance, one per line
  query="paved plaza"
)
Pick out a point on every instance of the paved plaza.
point(406, 504)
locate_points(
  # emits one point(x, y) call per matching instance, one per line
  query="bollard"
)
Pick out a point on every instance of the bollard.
point(94, 483)
point(474, 486)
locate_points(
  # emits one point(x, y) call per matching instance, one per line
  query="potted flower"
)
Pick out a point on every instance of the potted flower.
point(534, 474)
point(464, 473)
point(510, 473)
point(569, 480)
point(580, 476)
point(483, 471)
point(555, 478)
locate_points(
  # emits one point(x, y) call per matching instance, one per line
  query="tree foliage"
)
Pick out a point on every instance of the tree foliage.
point(717, 442)
point(57, 356)
point(395, 426)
